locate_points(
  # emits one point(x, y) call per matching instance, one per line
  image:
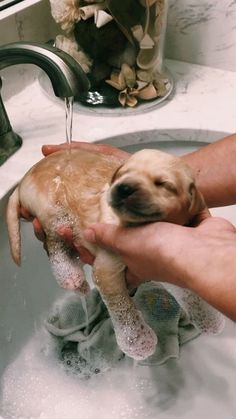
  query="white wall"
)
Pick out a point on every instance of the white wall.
point(202, 32)
point(32, 24)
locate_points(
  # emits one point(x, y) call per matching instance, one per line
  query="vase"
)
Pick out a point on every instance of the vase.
point(120, 46)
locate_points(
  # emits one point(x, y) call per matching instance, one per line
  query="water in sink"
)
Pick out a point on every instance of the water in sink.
point(34, 384)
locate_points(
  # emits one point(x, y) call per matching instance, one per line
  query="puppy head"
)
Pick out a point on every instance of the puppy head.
point(153, 186)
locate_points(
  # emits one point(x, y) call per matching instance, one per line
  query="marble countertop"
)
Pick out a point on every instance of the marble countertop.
point(203, 99)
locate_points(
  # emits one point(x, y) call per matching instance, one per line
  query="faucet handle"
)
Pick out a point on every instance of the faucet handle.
point(9, 140)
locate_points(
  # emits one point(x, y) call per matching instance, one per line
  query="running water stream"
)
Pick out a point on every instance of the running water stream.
point(85, 308)
point(69, 125)
point(69, 118)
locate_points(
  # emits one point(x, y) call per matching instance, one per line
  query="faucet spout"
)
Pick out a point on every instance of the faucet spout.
point(67, 77)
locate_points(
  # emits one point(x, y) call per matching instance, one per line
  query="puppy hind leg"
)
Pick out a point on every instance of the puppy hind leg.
point(133, 335)
point(66, 265)
point(13, 226)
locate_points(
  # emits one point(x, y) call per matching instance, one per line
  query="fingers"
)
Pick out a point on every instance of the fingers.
point(67, 234)
point(38, 231)
point(85, 256)
point(117, 239)
point(52, 148)
point(25, 214)
point(101, 148)
point(104, 235)
point(64, 232)
point(201, 217)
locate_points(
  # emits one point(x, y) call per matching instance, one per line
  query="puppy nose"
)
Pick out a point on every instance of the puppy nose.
point(124, 190)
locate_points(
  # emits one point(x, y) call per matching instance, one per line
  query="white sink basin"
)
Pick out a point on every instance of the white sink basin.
point(200, 384)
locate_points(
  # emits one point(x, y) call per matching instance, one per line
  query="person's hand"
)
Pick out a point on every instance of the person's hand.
point(65, 232)
point(162, 250)
point(201, 258)
point(100, 148)
point(39, 233)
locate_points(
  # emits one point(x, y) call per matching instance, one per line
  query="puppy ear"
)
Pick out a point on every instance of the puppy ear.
point(114, 176)
point(197, 202)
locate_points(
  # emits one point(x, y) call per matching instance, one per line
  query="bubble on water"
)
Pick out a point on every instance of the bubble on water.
point(205, 317)
point(9, 338)
point(36, 385)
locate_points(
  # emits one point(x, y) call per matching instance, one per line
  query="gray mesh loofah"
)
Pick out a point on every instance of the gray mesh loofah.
point(205, 317)
point(87, 338)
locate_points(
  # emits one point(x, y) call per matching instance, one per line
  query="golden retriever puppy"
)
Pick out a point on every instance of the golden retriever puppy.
point(78, 188)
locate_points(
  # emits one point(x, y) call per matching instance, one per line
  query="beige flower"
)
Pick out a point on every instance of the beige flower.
point(128, 97)
point(125, 81)
point(117, 80)
point(148, 92)
point(131, 88)
point(129, 75)
point(126, 77)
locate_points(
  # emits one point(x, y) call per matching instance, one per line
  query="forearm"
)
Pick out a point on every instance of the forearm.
point(215, 169)
point(213, 166)
point(215, 283)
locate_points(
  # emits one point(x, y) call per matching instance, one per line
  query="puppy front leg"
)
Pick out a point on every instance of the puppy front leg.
point(66, 265)
point(133, 335)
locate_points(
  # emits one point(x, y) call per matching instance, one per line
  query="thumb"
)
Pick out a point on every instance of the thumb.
point(103, 235)
point(201, 217)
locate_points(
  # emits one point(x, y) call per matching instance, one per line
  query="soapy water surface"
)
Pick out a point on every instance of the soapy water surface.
point(36, 385)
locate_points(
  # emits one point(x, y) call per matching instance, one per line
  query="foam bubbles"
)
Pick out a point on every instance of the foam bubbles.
point(68, 271)
point(36, 386)
point(135, 338)
point(205, 317)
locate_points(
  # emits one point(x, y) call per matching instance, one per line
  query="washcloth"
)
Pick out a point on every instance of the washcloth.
point(86, 338)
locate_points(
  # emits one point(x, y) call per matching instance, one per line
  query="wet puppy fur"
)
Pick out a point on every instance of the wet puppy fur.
point(77, 188)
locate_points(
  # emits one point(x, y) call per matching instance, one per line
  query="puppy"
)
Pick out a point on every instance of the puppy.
point(78, 188)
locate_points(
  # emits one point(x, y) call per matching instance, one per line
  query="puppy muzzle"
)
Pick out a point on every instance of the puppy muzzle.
point(130, 199)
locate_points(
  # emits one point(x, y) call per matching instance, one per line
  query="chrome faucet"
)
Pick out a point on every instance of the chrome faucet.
point(67, 77)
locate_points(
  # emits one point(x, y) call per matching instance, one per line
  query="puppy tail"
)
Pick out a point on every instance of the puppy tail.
point(13, 225)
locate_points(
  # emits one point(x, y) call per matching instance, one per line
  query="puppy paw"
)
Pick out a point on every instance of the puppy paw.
point(68, 271)
point(137, 339)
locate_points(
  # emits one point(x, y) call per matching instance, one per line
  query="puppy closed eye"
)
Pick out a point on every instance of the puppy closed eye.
point(160, 183)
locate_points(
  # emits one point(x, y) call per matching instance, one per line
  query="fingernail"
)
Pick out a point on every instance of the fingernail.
point(89, 235)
